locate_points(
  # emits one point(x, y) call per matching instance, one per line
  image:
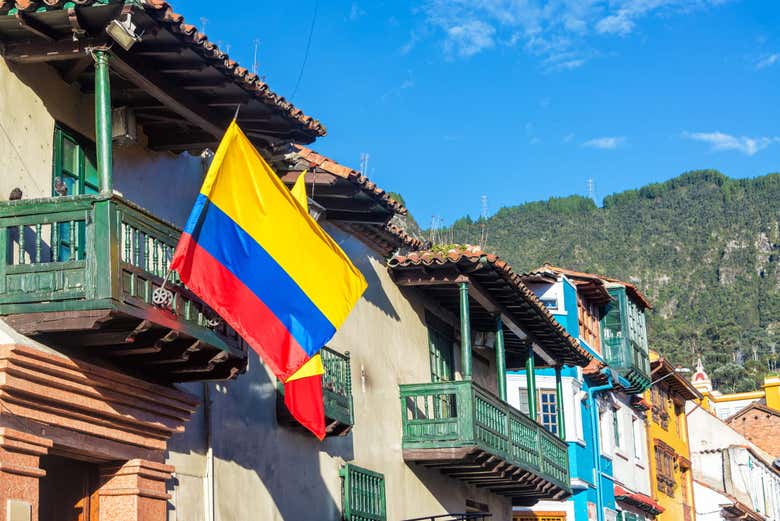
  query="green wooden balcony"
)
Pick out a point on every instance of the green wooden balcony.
point(336, 395)
point(469, 434)
point(79, 273)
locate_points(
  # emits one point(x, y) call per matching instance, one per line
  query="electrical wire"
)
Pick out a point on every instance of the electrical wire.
point(308, 48)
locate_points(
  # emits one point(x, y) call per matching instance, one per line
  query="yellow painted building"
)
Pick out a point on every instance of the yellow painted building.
point(725, 406)
point(667, 437)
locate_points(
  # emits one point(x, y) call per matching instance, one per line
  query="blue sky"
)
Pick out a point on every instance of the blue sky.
point(519, 100)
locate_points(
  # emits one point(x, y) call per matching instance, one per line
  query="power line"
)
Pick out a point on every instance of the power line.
point(308, 47)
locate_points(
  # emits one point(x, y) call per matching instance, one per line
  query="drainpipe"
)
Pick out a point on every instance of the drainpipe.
point(500, 359)
point(103, 120)
point(465, 331)
point(208, 484)
point(596, 435)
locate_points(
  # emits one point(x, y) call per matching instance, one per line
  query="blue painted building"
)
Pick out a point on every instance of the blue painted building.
point(604, 421)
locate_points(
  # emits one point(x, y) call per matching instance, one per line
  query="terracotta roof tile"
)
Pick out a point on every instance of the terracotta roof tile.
point(631, 288)
point(163, 13)
point(315, 160)
point(472, 255)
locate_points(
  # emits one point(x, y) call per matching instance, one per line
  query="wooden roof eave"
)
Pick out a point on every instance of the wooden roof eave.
point(452, 273)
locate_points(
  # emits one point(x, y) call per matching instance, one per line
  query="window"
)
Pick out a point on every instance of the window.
point(522, 405)
point(548, 410)
point(440, 340)
point(616, 431)
point(638, 430)
point(74, 173)
point(659, 399)
point(664, 468)
point(550, 303)
point(362, 494)
point(587, 316)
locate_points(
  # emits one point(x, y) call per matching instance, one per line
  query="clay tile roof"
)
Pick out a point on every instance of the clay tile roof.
point(162, 12)
point(661, 367)
point(538, 319)
point(631, 289)
point(639, 500)
point(315, 160)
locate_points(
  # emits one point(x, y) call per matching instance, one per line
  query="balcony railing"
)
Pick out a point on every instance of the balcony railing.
point(336, 395)
point(80, 271)
point(490, 442)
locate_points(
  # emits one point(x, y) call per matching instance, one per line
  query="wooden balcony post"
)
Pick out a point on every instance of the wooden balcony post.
point(465, 331)
point(559, 402)
point(530, 375)
point(103, 120)
point(500, 359)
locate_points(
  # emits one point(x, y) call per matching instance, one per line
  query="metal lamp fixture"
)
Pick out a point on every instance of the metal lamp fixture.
point(123, 32)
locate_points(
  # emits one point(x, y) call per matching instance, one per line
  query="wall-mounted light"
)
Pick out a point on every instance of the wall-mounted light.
point(123, 32)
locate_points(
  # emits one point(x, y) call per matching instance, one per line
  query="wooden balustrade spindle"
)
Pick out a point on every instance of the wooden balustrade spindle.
point(72, 240)
point(38, 241)
point(55, 242)
point(21, 243)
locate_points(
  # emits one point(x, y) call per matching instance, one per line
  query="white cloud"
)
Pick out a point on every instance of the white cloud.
point(355, 12)
point(556, 31)
point(605, 143)
point(720, 141)
point(768, 61)
point(469, 38)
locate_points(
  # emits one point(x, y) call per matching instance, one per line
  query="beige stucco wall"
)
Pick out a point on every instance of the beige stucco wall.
point(265, 471)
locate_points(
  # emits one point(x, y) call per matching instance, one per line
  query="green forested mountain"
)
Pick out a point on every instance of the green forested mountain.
point(704, 247)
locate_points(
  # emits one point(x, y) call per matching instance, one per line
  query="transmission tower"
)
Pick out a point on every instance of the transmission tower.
point(483, 223)
point(364, 163)
point(203, 22)
point(591, 187)
point(255, 65)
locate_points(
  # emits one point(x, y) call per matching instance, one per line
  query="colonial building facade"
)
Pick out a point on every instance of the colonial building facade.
point(670, 455)
point(119, 405)
point(608, 444)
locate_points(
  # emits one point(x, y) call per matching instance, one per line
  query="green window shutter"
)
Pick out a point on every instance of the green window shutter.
point(440, 340)
point(362, 494)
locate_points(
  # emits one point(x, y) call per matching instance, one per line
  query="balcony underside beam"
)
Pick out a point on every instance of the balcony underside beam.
point(482, 469)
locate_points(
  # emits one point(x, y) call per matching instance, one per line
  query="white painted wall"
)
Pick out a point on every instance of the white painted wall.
point(630, 458)
point(726, 461)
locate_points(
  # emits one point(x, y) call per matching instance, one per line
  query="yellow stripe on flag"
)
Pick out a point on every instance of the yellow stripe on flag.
point(313, 367)
point(252, 195)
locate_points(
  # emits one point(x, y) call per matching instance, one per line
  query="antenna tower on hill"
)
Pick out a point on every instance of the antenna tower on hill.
point(255, 65)
point(364, 163)
point(591, 187)
point(483, 223)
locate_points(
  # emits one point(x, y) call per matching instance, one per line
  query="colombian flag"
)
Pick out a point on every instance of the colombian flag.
point(251, 251)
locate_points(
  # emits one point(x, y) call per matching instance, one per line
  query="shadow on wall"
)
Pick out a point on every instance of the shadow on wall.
point(362, 257)
point(450, 494)
point(261, 469)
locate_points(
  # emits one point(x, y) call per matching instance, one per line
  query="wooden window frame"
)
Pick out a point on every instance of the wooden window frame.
point(373, 505)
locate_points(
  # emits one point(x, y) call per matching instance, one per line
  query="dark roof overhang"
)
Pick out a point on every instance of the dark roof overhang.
point(494, 290)
point(182, 88)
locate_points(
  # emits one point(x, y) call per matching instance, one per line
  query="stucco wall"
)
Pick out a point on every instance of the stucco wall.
point(264, 471)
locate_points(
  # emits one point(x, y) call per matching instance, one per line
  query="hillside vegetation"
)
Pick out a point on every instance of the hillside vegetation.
point(704, 248)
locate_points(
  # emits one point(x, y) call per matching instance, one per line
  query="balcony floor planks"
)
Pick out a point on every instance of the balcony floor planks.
point(482, 469)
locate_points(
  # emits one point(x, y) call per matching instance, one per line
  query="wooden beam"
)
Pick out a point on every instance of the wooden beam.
point(420, 277)
point(483, 298)
point(162, 91)
point(75, 70)
point(40, 52)
point(352, 217)
point(33, 26)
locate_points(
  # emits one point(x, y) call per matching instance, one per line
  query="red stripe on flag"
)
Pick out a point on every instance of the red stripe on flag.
point(240, 308)
point(303, 397)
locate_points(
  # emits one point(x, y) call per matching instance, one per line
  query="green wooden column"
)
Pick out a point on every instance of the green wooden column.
point(465, 331)
point(500, 359)
point(530, 375)
point(559, 402)
point(103, 120)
